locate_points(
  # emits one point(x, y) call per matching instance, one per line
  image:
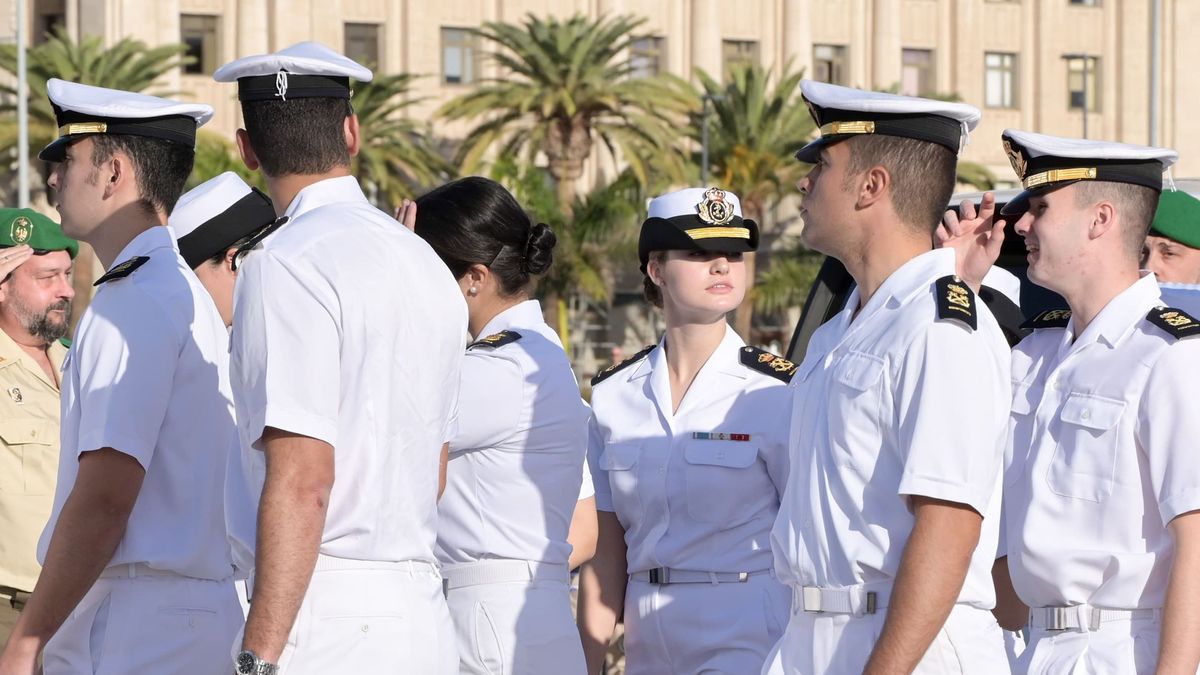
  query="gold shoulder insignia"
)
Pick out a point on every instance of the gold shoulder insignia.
point(123, 270)
point(767, 363)
point(1051, 318)
point(611, 370)
point(1177, 323)
point(956, 301)
point(496, 339)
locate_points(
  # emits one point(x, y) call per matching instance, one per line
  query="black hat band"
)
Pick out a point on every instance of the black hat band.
point(244, 217)
point(283, 85)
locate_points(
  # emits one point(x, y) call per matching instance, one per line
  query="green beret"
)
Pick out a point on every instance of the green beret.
point(26, 226)
point(1178, 218)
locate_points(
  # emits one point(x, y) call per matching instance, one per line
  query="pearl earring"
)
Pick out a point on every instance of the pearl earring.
point(472, 291)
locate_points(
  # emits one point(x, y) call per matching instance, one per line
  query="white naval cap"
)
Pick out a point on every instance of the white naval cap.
point(81, 109)
point(1045, 163)
point(215, 214)
point(304, 70)
point(844, 112)
point(706, 219)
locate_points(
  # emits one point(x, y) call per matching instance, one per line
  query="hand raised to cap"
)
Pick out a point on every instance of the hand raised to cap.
point(406, 213)
point(11, 258)
point(975, 238)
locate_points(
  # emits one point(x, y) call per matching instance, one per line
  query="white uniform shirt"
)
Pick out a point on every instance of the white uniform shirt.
point(349, 329)
point(516, 461)
point(691, 503)
point(888, 404)
point(1103, 456)
point(147, 375)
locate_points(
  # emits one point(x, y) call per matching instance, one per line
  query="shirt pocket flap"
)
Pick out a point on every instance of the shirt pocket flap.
point(859, 371)
point(16, 432)
point(1093, 412)
point(619, 457)
point(732, 454)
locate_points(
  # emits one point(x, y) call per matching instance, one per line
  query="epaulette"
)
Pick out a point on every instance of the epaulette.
point(767, 363)
point(956, 301)
point(123, 270)
point(1178, 323)
point(1051, 318)
point(609, 371)
point(496, 339)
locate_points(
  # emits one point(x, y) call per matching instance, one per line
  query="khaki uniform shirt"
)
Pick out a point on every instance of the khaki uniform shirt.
point(29, 414)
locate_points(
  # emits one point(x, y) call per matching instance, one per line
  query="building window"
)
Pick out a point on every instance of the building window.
point(460, 56)
point(1000, 80)
point(1081, 87)
point(199, 33)
point(646, 56)
point(829, 64)
point(916, 73)
point(362, 43)
point(44, 26)
point(738, 52)
point(1085, 3)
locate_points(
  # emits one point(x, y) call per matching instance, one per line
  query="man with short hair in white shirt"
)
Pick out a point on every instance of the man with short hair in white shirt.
point(346, 348)
point(136, 570)
point(1102, 487)
point(888, 528)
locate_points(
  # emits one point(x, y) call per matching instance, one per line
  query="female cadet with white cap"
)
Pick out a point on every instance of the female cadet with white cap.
point(688, 448)
point(513, 476)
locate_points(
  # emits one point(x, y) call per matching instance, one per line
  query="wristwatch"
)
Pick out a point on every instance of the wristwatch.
point(248, 663)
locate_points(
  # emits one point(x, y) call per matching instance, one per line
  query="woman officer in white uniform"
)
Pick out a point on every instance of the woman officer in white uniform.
point(688, 449)
point(516, 461)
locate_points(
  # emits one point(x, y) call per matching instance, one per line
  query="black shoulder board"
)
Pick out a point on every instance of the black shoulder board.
point(123, 270)
point(609, 371)
point(496, 339)
point(767, 363)
point(956, 301)
point(1178, 323)
point(1051, 318)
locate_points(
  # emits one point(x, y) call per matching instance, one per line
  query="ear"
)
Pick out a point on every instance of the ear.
point(246, 150)
point(229, 260)
point(478, 274)
point(654, 271)
point(351, 133)
point(874, 186)
point(1104, 218)
point(115, 174)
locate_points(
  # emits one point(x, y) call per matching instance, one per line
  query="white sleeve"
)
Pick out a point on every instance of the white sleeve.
point(587, 488)
point(1168, 427)
point(600, 485)
point(490, 400)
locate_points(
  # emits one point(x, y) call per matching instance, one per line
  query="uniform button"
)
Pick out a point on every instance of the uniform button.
point(365, 628)
point(192, 622)
point(1086, 414)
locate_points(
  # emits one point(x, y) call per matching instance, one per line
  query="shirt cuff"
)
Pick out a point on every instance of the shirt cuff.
point(923, 486)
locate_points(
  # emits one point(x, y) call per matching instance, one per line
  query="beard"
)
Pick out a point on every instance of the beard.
point(43, 325)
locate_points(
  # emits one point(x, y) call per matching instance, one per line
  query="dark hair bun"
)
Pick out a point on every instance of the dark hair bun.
point(539, 249)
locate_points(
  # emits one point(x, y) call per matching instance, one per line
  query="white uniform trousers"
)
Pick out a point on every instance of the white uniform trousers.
point(970, 643)
point(514, 617)
point(370, 618)
point(148, 622)
point(703, 628)
point(1121, 647)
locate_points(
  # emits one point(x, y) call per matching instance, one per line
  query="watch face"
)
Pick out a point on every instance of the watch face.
point(245, 663)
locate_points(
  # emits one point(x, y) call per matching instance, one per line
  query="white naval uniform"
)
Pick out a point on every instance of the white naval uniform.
point(700, 506)
point(1103, 457)
point(147, 376)
point(349, 330)
point(891, 403)
point(511, 489)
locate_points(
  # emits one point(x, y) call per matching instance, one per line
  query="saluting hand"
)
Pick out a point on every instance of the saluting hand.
point(12, 258)
point(406, 213)
point(975, 238)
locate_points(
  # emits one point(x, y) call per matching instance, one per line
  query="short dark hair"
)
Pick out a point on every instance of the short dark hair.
point(298, 137)
point(923, 175)
point(160, 167)
point(1136, 205)
point(474, 220)
point(218, 258)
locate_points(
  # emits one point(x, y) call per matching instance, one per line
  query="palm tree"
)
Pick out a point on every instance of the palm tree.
point(214, 156)
point(567, 86)
point(398, 157)
point(758, 122)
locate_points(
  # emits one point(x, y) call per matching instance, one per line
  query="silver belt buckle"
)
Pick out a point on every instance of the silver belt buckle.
point(660, 576)
point(1056, 618)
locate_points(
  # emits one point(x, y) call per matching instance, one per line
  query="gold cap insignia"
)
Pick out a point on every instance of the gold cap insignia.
point(22, 230)
point(714, 210)
point(1016, 158)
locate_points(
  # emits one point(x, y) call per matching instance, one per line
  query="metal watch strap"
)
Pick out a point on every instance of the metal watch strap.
point(261, 667)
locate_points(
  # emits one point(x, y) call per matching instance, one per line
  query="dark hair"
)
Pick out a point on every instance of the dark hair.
point(474, 220)
point(218, 258)
point(160, 167)
point(923, 175)
point(1136, 205)
point(298, 137)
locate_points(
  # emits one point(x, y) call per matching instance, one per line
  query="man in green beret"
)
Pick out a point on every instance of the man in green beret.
point(35, 308)
point(1172, 249)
